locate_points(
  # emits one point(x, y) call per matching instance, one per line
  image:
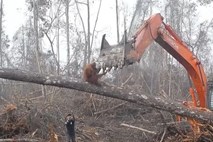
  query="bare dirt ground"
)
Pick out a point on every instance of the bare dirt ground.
point(98, 119)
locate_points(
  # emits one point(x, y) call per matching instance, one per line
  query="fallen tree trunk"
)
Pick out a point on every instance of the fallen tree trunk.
point(113, 92)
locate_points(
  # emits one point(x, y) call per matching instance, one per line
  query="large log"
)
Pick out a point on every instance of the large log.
point(113, 92)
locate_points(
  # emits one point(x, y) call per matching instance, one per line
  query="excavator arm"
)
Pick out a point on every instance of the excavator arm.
point(154, 29)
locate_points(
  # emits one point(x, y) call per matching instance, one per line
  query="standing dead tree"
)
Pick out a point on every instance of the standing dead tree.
point(108, 91)
point(1, 14)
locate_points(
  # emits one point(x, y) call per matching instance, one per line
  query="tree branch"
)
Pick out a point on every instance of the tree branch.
point(138, 128)
point(113, 92)
point(18, 140)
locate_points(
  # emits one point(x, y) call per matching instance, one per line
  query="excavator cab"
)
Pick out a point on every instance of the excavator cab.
point(210, 95)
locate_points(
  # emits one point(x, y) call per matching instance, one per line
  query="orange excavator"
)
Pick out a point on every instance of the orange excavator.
point(129, 51)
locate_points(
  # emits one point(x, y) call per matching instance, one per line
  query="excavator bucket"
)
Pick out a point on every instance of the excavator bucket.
point(113, 56)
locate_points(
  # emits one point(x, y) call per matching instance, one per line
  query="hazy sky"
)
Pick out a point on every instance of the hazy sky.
point(13, 15)
point(14, 11)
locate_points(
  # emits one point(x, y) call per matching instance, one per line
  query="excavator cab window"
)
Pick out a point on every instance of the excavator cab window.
point(210, 95)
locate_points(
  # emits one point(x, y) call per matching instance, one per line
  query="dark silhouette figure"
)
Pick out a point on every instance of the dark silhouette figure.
point(70, 125)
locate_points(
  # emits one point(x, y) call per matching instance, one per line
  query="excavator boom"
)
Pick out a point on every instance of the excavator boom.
point(154, 29)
